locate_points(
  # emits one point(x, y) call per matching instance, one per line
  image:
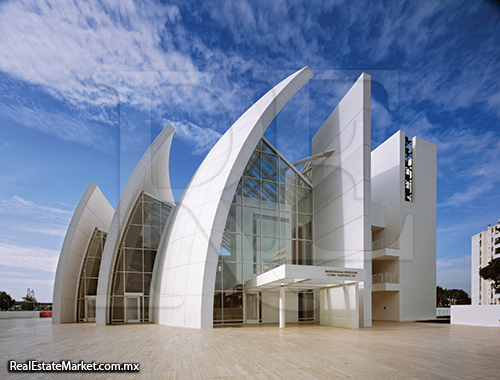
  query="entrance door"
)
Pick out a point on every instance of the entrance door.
point(90, 303)
point(306, 306)
point(132, 309)
point(252, 307)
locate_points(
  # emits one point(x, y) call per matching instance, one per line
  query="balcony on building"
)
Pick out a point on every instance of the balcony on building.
point(385, 248)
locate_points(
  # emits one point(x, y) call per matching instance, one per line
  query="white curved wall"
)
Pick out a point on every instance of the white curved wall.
point(152, 176)
point(92, 211)
point(185, 271)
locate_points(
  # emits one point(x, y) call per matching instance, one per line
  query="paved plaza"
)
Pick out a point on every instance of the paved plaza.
point(388, 350)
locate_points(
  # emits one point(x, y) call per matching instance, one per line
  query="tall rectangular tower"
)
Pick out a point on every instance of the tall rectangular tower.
point(404, 246)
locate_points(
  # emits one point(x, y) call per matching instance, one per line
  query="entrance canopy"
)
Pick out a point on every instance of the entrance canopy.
point(302, 277)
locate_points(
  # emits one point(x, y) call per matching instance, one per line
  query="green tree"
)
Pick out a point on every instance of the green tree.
point(30, 301)
point(458, 297)
point(441, 298)
point(491, 272)
point(6, 301)
point(447, 297)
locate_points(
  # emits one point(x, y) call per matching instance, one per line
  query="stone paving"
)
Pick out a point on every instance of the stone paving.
point(388, 350)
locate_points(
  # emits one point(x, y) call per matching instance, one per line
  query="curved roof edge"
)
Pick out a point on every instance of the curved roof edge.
point(152, 176)
point(185, 271)
point(92, 211)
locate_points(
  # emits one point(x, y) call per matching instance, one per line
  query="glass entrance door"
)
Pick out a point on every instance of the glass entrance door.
point(90, 303)
point(306, 306)
point(132, 309)
point(252, 307)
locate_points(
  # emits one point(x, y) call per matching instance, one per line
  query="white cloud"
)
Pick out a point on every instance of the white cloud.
point(454, 273)
point(465, 154)
point(52, 230)
point(22, 207)
point(28, 257)
point(69, 127)
point(10, 237)
point(68, 47)
point(16, 283)
point(467, 196)
point(453, 262)
point(381, 115)
point(92, 54)
point(382, 121)
point(59, 45)
point(201, 139)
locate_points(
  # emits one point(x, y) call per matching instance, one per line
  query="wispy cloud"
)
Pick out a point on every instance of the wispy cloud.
point(52, 230)
point(28, 257)
point(465, 155)
point(78, 127)
point(454, 273)
point(22, 207)
point(466, 197)
point(453, 262)
point(17, 281)
point(201, 139)
point(58, 45)
point(93, 54)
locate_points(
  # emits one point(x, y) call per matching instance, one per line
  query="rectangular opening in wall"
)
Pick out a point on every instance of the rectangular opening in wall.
point(408, 181)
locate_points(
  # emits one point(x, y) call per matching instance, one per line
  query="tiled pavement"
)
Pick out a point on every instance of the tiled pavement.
point(388, 350)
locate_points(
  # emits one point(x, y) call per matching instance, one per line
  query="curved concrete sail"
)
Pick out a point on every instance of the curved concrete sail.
point(93, 211)
point(186, 267)
point(150, 176)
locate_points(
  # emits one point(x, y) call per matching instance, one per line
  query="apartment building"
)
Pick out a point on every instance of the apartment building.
point(485, 247)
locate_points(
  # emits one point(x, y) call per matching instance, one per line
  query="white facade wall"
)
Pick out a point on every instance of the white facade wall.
point(339, 306)
point(418, 271)
point(342, 228)
point(385, 306)
point(387, 184)
point(475, 277)
point(377, 216)
point(410, 229)
point(476, 315)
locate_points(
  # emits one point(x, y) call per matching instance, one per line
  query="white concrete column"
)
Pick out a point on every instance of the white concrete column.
point(282, 307)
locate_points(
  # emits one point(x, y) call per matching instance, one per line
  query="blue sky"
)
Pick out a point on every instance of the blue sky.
point(86, 86)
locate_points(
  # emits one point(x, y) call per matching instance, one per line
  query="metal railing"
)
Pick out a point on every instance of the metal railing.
point(385, 243)
point(443, 312)
point(383, 278)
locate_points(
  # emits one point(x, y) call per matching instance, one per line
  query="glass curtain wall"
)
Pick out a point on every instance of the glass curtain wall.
point(87, 287)
point(269, 224)
point(136, 257)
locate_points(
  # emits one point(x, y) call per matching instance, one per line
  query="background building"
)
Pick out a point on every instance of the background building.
point(342, 237)
point(485, 247)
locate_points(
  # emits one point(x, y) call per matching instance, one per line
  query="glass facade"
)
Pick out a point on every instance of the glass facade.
point(135, 260)
point(269, 224)
point(87, 287)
